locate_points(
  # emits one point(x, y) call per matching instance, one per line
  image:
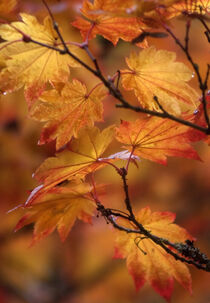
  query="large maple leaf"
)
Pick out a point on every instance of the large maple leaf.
point(148, 262)
point(82, 157)
point(66, 112)
point(30, 64)
point(155, 73)
point(104, 18)
point(60, 208)
point(155, 139)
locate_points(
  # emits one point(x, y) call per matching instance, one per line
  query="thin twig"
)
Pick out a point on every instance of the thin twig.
point(203, 86)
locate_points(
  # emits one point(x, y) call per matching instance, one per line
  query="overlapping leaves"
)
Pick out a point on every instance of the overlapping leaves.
point(83, 156)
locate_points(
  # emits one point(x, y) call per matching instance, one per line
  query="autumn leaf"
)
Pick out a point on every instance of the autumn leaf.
point(156, 139)
point(29, 64)
point(155, 73)
point(191, 8)
point(60, 208)
point(83, 156)
point(103, 18)
point(148, 262)
point(67, 112)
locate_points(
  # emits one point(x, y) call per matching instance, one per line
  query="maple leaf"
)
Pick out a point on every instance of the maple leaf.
point(191, 8)
point(147, 261)
point(30, 64)
point(99, 19)
point(60, 208)
point(155, 73)
point(82, 157)
point(67, 112)
point(155, 139)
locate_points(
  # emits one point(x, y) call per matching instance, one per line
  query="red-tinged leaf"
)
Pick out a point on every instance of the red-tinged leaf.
point(148, 262)
point(156, 139)
point(66, 112)
point(104, 18)
point(29, 64)
point(59, 208)
point(155, 73)
point(83, 156)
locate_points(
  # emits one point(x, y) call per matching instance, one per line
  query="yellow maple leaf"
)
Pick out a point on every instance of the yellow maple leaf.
point(60, 208)
point(30, 64)
point(155, 139)
point(148, 262)
point(155, 73)
point(82, 157)
point(66, 112)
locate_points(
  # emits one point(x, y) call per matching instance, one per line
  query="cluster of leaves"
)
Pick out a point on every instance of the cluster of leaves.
point(36, 56)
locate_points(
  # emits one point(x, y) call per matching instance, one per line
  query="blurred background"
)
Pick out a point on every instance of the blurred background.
point(83, 269)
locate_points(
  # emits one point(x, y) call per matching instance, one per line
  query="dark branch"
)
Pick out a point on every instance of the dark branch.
point(202, 84)
point(184, 252)
point(115, 92)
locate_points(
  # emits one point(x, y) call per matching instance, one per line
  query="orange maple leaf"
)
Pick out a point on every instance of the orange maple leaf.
point(155, 139)
point(148, 262)
point(155, 73)
point(191, 8)
point(30, 64)
point(66, 112)
point(82, 157)
point(60, 208)
point(104, 18)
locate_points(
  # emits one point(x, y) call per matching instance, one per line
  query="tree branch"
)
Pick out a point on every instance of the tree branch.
point(115, 92)
point(202, 84)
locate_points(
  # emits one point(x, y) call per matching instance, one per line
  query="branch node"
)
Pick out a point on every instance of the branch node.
point(26, 38)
